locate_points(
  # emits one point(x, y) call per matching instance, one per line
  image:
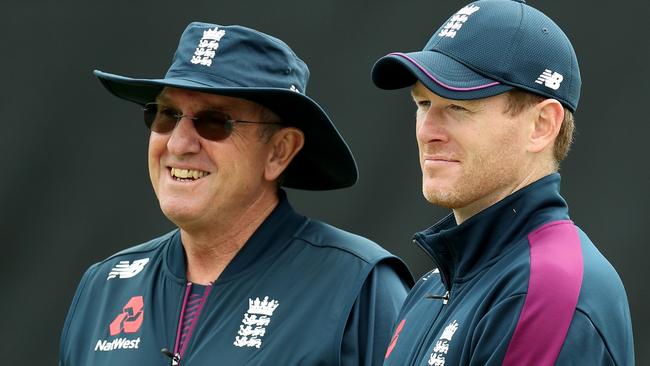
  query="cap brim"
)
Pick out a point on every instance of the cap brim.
point(325, 161)
point(441, 74)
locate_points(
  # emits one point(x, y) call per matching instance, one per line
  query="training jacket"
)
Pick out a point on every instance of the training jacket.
point(516, 284)
point(300, 292)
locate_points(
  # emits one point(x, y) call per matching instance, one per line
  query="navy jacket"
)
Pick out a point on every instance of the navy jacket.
point(300, 292)
point(516, 284)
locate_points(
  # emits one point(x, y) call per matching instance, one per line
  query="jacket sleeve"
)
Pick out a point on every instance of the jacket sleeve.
point(64, 346)
point(368, 328)
point(583, 344)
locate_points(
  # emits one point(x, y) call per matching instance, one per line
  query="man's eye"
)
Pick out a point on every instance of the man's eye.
point(423, 103)
point(457, 108)
point(167, 111)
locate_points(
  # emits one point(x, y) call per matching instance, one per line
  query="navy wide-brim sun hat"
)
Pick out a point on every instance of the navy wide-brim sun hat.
point(487, 48)
point(240, 62)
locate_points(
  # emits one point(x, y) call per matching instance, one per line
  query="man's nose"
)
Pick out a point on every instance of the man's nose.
point(430, 126)
point(184, 138)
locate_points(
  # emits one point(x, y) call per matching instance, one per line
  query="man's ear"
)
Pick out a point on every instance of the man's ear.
point(285, 144)
point(548, 116)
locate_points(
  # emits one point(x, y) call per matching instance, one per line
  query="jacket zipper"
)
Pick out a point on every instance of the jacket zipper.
point(423, 346)
point(445, 301)
point(444, 298)
point(178, 352)
point(176, 356)
point(443, 274)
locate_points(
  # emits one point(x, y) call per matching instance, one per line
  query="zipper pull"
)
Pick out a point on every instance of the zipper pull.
point(176, 358)
point(444, 298)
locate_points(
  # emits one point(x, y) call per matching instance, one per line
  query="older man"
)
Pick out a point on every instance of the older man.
point(244, 279)
point(517, 282)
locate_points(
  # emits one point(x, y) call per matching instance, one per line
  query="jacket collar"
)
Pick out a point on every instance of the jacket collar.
point(460, 251)
point(269, 239)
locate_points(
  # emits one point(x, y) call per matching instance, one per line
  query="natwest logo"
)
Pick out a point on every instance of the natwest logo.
point(119, 343)
point(128, 321)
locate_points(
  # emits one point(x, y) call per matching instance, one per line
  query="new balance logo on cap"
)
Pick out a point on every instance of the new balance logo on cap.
point(124, 269)
point(550, 79)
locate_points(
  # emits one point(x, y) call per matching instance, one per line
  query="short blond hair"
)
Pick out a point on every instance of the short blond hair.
point(519, 99)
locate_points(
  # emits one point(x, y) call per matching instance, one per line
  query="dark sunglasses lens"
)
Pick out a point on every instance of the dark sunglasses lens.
point(157, 119)
point(213, 125)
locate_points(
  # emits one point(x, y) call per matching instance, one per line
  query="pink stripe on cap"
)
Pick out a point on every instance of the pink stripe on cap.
point(556, 270)
point(440, 82)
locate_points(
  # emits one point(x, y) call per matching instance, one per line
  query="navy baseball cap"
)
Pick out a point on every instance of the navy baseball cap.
point(487, 48)
point(244, 63)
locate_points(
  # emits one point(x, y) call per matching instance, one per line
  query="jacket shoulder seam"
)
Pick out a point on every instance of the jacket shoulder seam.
point(600, 334)
point(146, 247)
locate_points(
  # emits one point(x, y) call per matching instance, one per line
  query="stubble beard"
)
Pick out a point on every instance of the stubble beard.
point(488, 179)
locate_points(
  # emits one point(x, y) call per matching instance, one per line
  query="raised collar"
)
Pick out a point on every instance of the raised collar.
point(270, 238)
point(461, 251)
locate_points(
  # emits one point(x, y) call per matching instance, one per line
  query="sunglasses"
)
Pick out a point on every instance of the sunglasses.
point(210, 124)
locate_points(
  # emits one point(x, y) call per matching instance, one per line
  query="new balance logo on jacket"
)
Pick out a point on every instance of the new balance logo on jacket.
point(124, 269)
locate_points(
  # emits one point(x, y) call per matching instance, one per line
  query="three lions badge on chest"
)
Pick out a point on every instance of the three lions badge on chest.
point(255, 321)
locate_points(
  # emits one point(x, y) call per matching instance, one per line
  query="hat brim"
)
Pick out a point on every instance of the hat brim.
point(325, 161)
point(440, 73)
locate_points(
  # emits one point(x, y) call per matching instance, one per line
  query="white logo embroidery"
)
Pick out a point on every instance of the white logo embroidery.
point(116, 344)
point(441, 348)
point(428, 275)
point(125, 270)
point(207, 47)
point(550, 79)
point(293, 88)
point(253, 326)
point(457, 20)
